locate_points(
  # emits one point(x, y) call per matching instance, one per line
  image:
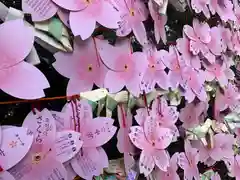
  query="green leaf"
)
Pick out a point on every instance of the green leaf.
point(110, 177)
point(101, 104)
point(207, 175)
point(174, 98)
point(131, 102)
point(98, 178)
point(55, 28)
point(233, 119)
point(111, 103)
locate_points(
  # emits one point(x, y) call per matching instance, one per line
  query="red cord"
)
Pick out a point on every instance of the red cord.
point(123, 116)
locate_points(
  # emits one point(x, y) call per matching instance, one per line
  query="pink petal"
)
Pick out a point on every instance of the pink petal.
point(110, 54)
point(140, 9)
point(173, 161)
point(64, 16)
point(104, 158)
point(195, 47)
point(138, 138)
point(209, 76)
point(183, 161)
point(45, 118)
point(202, 30)
point(39, 10)
point(207, 54)
point(140, 61)
point(229, 74)
point(73, 5)
point(164, 138)
point(23, 144)
point(97, 132)
point(161, 158)
point(87, 163)
point(71, 174)
point(78, 86)
point(188, 116)
point(201, 93)
point(199, 6)
point(110, 82)
point(73, 139)
point(141, 115)
point(124, 144)
point(203, 151)
point(223, 81)
point(206, 12)
point(162, 79)
point(5, 175)
point(47, 168)
point(188, 30)
point(159, 137)
point(23, 81)
point(150, 127)
point(189, 95)
point(148, 81)
point(225, 143)
point(174, 79)
point(100, 76)
point(146, 163)
point(216, 43)
point(128, 162)
point(82, 24)
point(124, 29)
point(109, 17)
point(12, 34)
point(66, 63)
point(133, 85)
point(159, 28)
point(195, 62)
point(164, 56)
point(78, 64)
point(140, 33)
point(226, 11)
point(213, 6)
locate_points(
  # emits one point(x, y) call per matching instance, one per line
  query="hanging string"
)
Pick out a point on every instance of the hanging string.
point(38, 100)
point(100, 59)
point(73, 112)
point(123, 116)
point(77, 112)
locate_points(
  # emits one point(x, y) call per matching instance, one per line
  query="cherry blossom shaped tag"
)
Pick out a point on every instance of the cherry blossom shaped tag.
point(166, 115)
point(82, 111)
point(67, 145)
point(124, 144)
point(16, 143)
point(6, 127)
point(60, 120)
point(64, 16)
point(5, 175)
point(42, 125)
point(45, 169)
point(70, 172)
point(97, 131)
point(159, 137)
point(146, 163)
point(40, 10)
point(89, 162)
